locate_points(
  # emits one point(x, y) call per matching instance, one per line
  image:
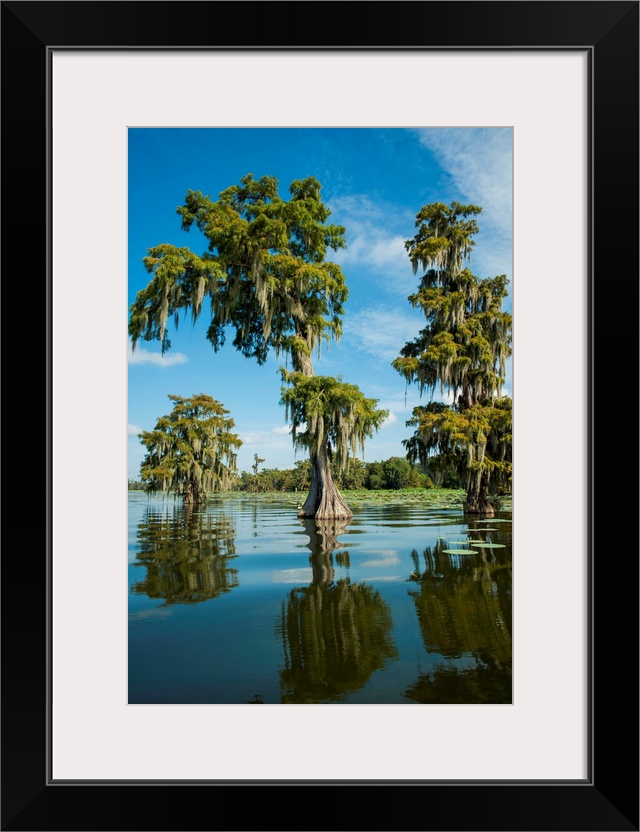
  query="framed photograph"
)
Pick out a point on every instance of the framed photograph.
point(530, 108)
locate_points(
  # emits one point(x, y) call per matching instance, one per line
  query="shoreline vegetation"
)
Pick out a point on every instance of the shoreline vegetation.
point(445, 498)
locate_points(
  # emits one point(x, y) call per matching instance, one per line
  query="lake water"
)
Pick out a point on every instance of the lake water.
point(242, 602)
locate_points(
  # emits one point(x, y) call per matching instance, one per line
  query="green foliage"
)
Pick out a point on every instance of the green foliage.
point(326, 411)
point(443, 237)
point(264, 271)
point(191, 451)
point(463, 348)
point(474, 444)
point(397, 473)
point(394, 473)
point(467, 338)
point(354, 476)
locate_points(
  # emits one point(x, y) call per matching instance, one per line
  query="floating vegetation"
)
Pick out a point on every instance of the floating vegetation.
point(459, 552)
point(488, 545)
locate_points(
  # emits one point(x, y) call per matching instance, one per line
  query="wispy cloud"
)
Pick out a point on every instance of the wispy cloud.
point(387, 559)
point(254, 438)
point(292, 576)
point(283, 430)
point(142, 356)
point(382, 332)
point(391, 418)
point(375, 241)
point(479, 162)
point(400, 401)
point(133, 430)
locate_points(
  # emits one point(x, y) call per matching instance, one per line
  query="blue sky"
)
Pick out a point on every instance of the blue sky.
point(374, 181)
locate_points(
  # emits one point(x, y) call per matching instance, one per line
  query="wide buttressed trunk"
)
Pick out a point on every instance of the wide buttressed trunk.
point(324, 501)
point(478, 501)
point(193, 496)
point(478, 505)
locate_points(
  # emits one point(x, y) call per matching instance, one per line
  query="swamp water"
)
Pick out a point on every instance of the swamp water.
point(241, 602)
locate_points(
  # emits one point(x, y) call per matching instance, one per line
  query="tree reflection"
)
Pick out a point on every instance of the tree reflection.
point(335, 633)
point(185, 551)
point(463, 603)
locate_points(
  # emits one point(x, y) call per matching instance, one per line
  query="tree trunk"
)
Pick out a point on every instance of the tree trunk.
point(324, 501)
point(478, 505)
point(477, 501)
point(192, 497)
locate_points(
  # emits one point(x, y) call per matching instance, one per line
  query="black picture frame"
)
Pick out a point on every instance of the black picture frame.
point(608, 799)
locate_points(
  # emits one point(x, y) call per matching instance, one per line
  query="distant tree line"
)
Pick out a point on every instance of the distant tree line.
point(393, 473)
point(390, 474)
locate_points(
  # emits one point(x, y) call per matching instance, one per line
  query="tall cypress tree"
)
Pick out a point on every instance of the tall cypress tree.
point(267, 280)
point(191, 451)
point(463, 350)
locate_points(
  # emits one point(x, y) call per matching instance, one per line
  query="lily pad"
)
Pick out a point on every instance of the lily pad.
point(459, 551)
point(489, 545)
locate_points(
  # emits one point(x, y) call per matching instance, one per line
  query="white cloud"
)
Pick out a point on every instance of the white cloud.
point(388, 560)
point(142, 356)
point(275, 447)
point(133, 430)
point(370, 247)
point(284, 430)
point(254, 438)
point(292, 576)
point(507, 388)
point(372, 244)
point(391, 418)
point(479, 162)
point(382, 332)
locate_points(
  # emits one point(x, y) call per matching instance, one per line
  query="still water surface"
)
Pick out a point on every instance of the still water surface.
point(242, 602)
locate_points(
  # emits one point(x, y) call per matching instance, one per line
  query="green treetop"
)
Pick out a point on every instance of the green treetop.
point(191, 451)
point(264, 272)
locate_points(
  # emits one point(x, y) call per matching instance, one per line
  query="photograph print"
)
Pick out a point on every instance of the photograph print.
point(319, 333)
